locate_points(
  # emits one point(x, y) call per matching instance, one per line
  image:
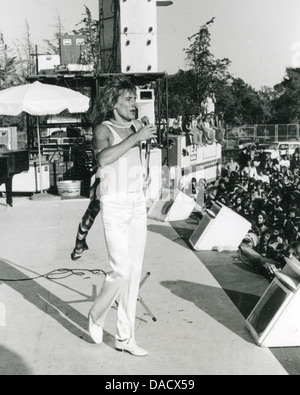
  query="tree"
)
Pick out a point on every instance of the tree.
point(25, 65)
point(9, 76)
point(182, 98)
point(267, 95)
point(244, 106)
point(7, 66)
point(54, 45)
point(238, 101)
point(209, 72)
point(286, 104)
point(90, 29)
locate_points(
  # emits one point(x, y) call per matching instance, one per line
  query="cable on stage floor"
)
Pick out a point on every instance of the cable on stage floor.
point(59, 274)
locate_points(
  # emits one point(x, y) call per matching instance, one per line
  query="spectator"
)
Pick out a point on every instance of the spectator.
point(296, 233)
point(295, 161)
point(263, 245)
point(209, 132)
point(245, 173)
point(268, 163)
point(232, 165)
point(284, 162)
point(289, 224)
point(192, 124)
point(276, 165)
point(244, 159)
point(195, 129)
point(262, 158)
point(276, 153)
point(262, 176)
point(294, 250)
point(277, 246)
point(253, 171)
point(220, 123)
point(208, 104)
point(260, 223)
point(177, 126)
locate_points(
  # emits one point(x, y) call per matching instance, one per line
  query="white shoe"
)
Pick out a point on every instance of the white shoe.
point(131, 347)
point(96, 331)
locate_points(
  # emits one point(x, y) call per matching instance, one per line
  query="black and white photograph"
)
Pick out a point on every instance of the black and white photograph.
point(150, 190)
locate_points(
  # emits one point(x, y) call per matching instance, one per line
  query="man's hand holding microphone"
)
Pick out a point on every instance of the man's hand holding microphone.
point(148, 132)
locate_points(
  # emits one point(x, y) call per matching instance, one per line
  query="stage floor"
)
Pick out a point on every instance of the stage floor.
point(200, 300)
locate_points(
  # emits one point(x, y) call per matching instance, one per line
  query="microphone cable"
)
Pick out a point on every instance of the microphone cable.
point(59, 274)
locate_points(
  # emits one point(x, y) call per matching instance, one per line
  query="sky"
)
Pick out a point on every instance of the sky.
point(261, 38)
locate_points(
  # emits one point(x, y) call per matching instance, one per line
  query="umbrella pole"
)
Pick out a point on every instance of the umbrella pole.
point(40, 154)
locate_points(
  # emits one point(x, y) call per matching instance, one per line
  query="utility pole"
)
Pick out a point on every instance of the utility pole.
point(36, 56)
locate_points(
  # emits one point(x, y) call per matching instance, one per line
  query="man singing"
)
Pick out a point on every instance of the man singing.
point(117, 144)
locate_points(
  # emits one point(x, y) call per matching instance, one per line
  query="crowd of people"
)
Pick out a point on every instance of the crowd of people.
point(266, 191)
point(206, 128)
point(201, 130)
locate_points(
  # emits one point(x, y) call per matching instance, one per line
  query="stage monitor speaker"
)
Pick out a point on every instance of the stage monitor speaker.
point(220, 227)
point(274, 322)
point(138, 28)
point(167, 208)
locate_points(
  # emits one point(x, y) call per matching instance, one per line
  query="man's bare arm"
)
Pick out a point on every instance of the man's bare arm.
point(107, 153)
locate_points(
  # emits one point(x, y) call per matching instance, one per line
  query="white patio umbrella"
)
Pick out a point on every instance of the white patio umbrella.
point(41, 99)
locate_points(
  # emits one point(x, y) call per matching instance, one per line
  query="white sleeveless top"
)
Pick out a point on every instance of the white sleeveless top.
point(126, 175)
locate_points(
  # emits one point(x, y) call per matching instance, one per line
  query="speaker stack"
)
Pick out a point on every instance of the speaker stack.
point(138, 28)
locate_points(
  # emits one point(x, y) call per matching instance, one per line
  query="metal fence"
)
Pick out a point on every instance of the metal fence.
point(237, 136)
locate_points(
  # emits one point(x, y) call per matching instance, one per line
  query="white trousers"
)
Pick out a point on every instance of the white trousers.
point(125, 228)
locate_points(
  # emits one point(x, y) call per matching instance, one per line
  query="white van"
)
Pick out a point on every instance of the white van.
point(283, 147)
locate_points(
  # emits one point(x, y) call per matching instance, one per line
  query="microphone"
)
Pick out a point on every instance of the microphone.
point(146, 122)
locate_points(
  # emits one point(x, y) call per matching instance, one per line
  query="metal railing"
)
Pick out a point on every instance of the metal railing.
point(260, 133)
